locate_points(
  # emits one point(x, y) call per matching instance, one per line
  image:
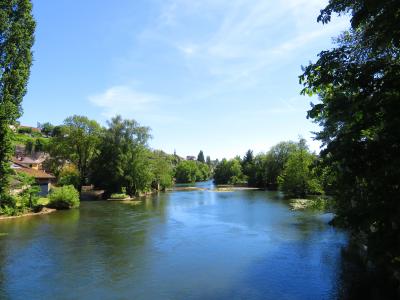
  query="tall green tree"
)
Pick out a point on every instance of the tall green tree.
point(229, 172)
point(358, 84)
point(17, 28)
point(78, 143)
point(200, 157)
point(187, 171)
point(138, 174)
point(122, 150)
point(298, 178)
point(162, 170)
point(249, 168)
point(275, 161)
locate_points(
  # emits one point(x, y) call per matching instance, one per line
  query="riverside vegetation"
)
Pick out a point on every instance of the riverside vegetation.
point(289, 166)
point(115, 158)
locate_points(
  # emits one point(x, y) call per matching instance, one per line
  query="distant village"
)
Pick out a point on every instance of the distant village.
point(32, 162)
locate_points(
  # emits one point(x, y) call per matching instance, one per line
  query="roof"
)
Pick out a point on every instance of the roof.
point(38, 174)
point(28, 160)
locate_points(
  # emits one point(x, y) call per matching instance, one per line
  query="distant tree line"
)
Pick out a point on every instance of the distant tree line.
point(288, 165)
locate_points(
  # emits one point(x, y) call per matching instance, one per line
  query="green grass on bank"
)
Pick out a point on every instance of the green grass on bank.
point(43, 201)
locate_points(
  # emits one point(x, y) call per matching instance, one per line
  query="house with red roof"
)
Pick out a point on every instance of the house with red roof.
point(43, 180)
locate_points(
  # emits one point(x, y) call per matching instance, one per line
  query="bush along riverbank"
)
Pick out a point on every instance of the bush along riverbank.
point(60, 198)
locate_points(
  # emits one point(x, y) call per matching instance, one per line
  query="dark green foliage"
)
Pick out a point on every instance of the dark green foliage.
point(256, 174)
point(248, 158)
point(186, 172)
point(138, 174)
point(57, 131)
point(275, 161)
point(27, 199)
point(123, 159)
point(189, 171)
point(46, 128)
point(298, 178)
point(229, 172)
point(263, 170)
point(64, 197)
point(25, 130)
point(162, 170)
point(69, 175)
point(379, 19)
point(260, 171)
point(39, 145)
point(33, 145)
point(29, 147)
point(200, 157)
point(358, 83)
point(204, 172)
point(77, 142)
point(16, 31)
point(249, 168)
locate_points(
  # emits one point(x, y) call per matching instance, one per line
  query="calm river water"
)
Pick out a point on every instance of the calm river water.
point(176, 245)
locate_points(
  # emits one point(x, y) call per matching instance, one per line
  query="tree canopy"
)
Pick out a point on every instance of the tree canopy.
point(17, 28)
point(123, 157)
point(358, 87)
point(77, 142)
point(190, 171)
point(229, 172)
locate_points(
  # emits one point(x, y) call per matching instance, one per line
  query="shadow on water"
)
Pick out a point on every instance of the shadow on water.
point(359, 282)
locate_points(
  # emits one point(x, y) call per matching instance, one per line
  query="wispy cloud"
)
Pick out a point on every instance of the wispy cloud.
point(132, 103)
point(239, 39)
point(124, 100)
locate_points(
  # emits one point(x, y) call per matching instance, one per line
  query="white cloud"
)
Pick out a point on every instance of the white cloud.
point(234, 41)
point(188, 49)
point(124, 100)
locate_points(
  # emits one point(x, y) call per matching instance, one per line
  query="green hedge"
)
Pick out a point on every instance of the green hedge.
point(64, 197)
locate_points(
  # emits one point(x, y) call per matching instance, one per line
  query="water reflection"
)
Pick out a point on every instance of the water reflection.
point(176, 245)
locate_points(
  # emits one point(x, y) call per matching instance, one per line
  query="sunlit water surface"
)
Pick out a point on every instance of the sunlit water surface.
point(176, 245)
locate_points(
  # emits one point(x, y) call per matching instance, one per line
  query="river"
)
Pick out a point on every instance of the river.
point(176, 245)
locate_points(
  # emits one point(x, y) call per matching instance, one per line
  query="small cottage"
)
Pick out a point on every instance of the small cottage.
point(30, 162)
point(43, 179)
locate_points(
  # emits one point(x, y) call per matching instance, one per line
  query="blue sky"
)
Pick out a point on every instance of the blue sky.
point(216, 75)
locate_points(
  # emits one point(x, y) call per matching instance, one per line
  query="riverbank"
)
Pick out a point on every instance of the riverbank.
point(319, 203)
point(44, 211)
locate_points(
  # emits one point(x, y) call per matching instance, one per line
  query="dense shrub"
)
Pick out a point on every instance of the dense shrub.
point(8, 210)
point(8, 206)
point(119, 196)
point(24, 130)
point(64, 197)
